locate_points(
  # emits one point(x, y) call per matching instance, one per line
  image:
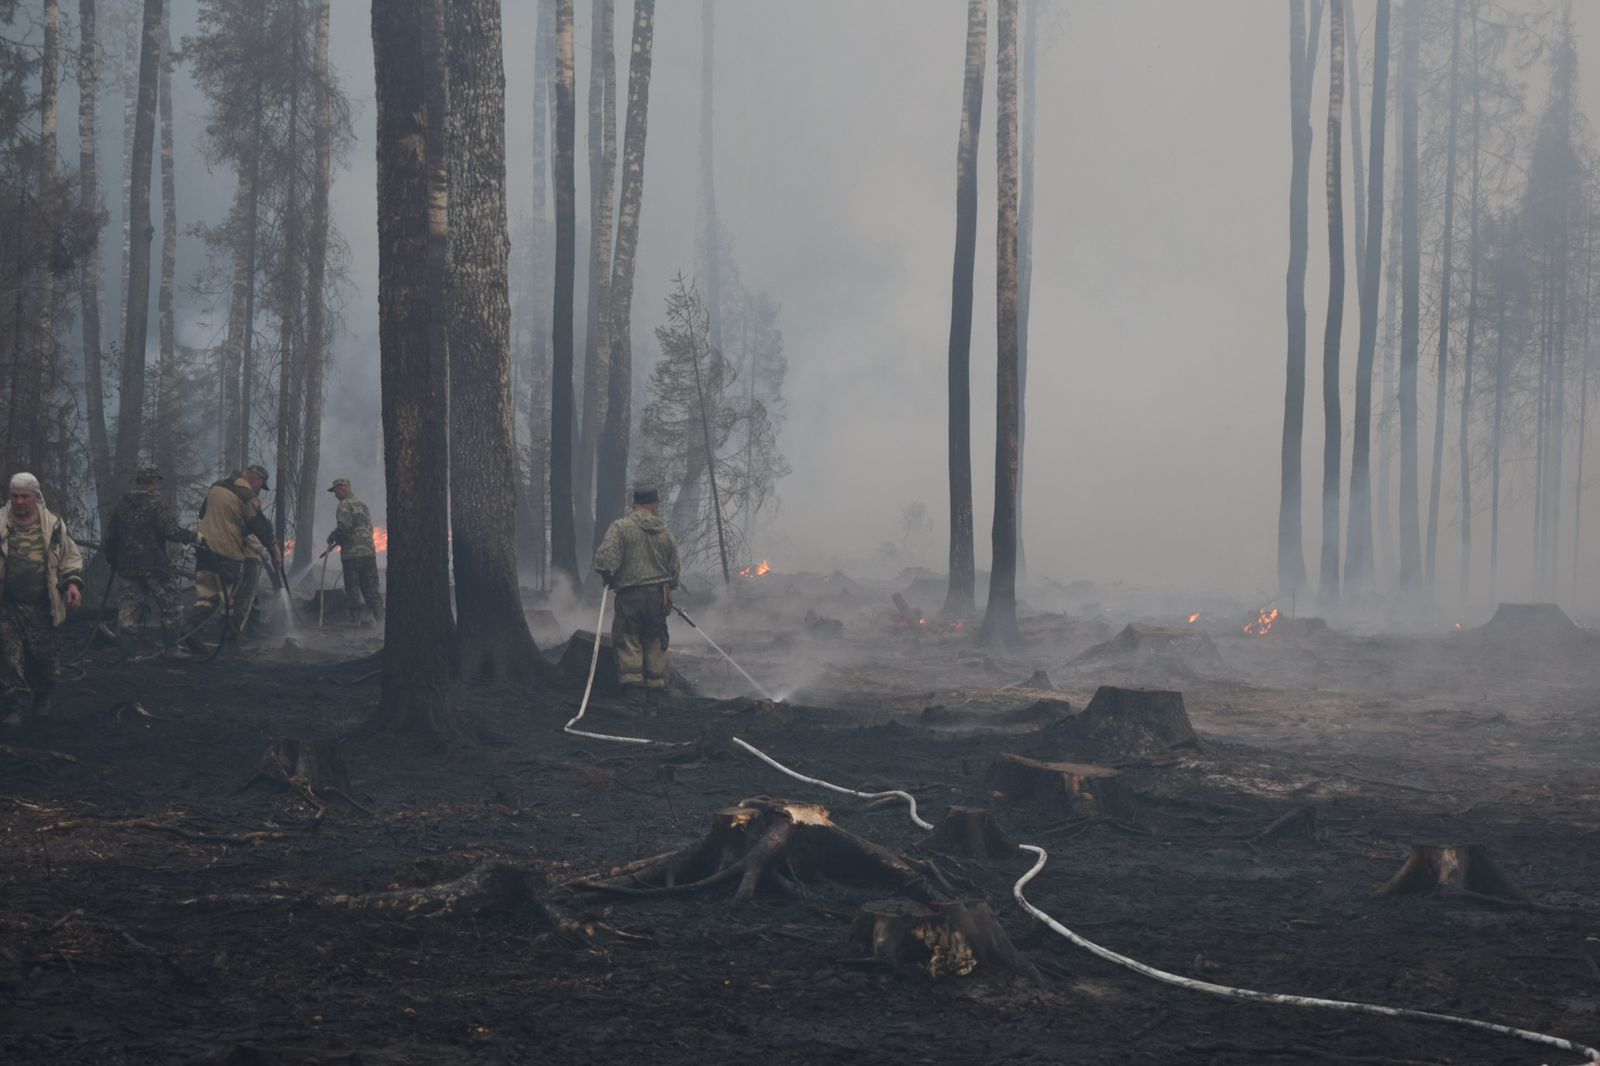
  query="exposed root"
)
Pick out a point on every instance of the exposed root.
point(773, 846)
point(310, 768)
point(1464, 868)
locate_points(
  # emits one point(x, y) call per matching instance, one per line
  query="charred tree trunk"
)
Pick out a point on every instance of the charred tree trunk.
point(1501, 382)
point(1358, 169)
point(289, 292)
point(1029, 112)
point(314, 345)
point(1411, 300)
point(602, 181)
point(1291, 548)
point(492, 638)
point(88, 266)
point(166, 449)
point(1474, 253)
point(1436, 475)
point(563, 534)
point(1000, 614)
point(130, 413)
point(239, 361)
point(407, 53)
point(960, 599)
point(42, 346)
point(612, 481)
point(1360, 574)
point(534, 454)
point(131, 36)
point(1332, 419)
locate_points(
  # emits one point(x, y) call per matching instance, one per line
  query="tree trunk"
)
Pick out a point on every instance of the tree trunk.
point(1000, 614)
point(1383, 545)
point(1291, 549)
point(42, 354)
point(314, 345)
point(407, 47)
point(688, 500)
point(290, 267)
point(535, 485)
point(1474, 254)
point(1411, 294)
point(492, 638)
point(166, 449)
point(1332, 419)
point(131, 23)
point(612, 482)
point(1436, 476)
point(1583, 400)
point(88, 265)
point(1029, 114)
point(711, 463)
point(1358, 170)
point(602, 182)
point(1359, 574)
point(130, 412)
point(239, 364)
point(959, 600)
point(1501, 382)
point(563, 535)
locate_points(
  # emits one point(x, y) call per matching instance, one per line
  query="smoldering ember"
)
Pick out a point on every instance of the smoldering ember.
point(501, 562)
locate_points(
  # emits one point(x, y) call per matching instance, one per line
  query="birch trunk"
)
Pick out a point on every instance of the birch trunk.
point(960, 598)
point(1332, 419)
point(415, 369)
point(602, 182)
point(611, 484)
point(1000, 615)
point(314, 345)
point(563, 534)
point(130, 412)
point(492, 638)
point(88, 266)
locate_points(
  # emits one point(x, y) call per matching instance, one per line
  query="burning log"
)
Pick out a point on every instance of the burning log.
point(907, 616)
point(970, 831)
point(1122, 725)
point(1074, 789)
point(943, 938)
point(1463, 868)
point(774, 846)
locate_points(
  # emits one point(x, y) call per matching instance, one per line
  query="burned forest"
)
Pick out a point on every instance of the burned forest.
point(568, 531)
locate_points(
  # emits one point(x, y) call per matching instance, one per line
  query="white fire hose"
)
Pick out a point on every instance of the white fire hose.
point(1041, 857)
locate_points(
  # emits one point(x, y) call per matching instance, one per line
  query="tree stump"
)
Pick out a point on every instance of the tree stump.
point(303, 764)
point(1075, 789)
point(1452, 867)
point(574, 666)
point(1532, 624)
point(942, 938)
point(1122, 724)
point(774, 846)
point(970, 831)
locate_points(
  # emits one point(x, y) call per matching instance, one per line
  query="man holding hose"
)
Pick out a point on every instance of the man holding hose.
point(638, 560)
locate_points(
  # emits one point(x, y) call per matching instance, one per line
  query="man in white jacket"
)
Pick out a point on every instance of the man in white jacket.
point(41, 575)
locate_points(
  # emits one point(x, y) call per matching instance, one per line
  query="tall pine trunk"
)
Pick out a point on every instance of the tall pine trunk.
point(1302, 54)
point(42, 355)
point(1360, 578)
point(88, 265)
point(1358, 168)
point(408, 64)
point(291, 266)
point(563, 534)
point(1411, 297)
point(492, 638)
point(532, 543)
point(132, 35)
point(1332, 419)
point(130, 412)
point(1583, 400)
point(960, 598)
point(314, 344)
point(602, 181)
point(166, 445)
point(1000, 614)
point(612, 481)
point(1497, 425)
point(1029, 113)
point(1436, 476)
point(1474, 254)
point(1383, 545)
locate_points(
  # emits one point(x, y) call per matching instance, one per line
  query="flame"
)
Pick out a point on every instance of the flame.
point(1193, 618)
point(1458, 625)
point(761, 569)
point(1263, 623)
point(959, 626)
point(380, 538)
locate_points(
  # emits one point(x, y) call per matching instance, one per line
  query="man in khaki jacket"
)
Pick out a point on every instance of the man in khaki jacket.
point(639, 560)
point(229, 516)
point(41, 575)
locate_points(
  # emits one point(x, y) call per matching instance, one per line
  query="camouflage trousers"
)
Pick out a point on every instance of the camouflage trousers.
point(135, 591)
point(361, 586)
point(30, 656)
point(212, 575)
point(639, 635)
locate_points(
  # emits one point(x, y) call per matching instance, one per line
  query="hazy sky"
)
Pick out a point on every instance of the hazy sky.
point(1157, 341)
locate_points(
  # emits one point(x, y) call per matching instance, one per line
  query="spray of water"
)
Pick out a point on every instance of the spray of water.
point(288, 611)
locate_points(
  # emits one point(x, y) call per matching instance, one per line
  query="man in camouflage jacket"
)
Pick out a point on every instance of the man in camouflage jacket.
point(352, 535)
point(141, 527)
point(639, 560)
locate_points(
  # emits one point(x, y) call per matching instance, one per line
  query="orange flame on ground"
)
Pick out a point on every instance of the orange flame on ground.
point(1193, 618)
point(1263, 623)
point(760, 570)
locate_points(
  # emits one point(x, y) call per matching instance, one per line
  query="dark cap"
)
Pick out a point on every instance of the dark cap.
point(343, 482)
point(646, 494)
point(259, 471)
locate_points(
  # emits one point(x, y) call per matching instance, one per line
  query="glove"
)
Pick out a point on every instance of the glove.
point(605, 577)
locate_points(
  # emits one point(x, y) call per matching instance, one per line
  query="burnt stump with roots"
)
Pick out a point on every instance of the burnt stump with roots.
point(765, 846)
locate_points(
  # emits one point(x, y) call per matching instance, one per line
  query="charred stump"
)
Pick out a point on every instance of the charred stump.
point(1073, 789)
point(766, 846)
point(941, 938)
point(311, 768)
point(573, 666)
point(1122, 724)
point(970, 831)
point(1461, 868)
